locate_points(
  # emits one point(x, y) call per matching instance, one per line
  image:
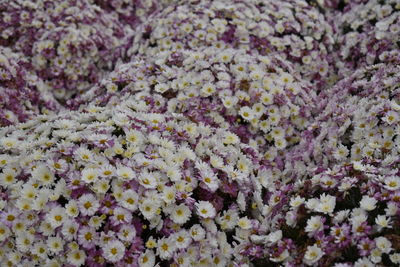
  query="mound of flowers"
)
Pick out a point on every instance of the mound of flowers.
point(232, 133)
point(259, 98)
point(295, 30)
point(122, 186)
point(70, 44)
point(23, 95)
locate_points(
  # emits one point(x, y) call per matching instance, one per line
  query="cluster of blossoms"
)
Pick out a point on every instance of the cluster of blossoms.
point(22, 94)
point(134, 12)
point(256, 97)
point(122, 186)
point(200, 133)
point(368, 32)
point(295, 30)
point(70, 44)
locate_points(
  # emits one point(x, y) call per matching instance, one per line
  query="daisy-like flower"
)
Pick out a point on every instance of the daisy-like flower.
point(147, 259)
point(382, 222)
point(244, 223)
point(197, 232)
point(114, 251)
point(148, 180)
point(182, 239)
point(76, 257)
point(88, 204)
point(205, 209)
point(55, 244)
point(180, 214)
point(392, 183)
point(391, 117)
point(125, 173)
point(314, 224)
point(313, 255)
point(127, 233)
point(43, 175)
point(148, 208)
point(165, 248)
point(383, 244)
point(56, 216)
point(368, 203)
point(89, 175)
point(130, 200)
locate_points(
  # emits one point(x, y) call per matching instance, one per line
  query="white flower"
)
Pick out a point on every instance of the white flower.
point(368, 203)
point(382, 221)
point(56, 216)
point(313, 255)
point(71, 209)
point(244, 223)
point(125, 173)
point(114, 251)
point(210, 180)
point(395, 258)
point(147, 259)
point(327, 204)
point(314, 224)
point(383, 244)
point(180, 214)
point(363, 262)
point(4, 232)
point(392, 183)
point(281, 257)
point(43, 175)
point(134, 137)
point(341, 152)
point(229, 101)
point(208, 89)
point(197, 232)
point(130, 200)
point(55, 244)
point(230, 138)
point(148, 180)
point(182, 239)
point(274, 237)
point(391, 117)
point(148, 208)
point(165, 248)
point(89, 175)
point(297, 201)
point(88, 204)
point(205, 209)
point(8, 177)
point(76, 257)
point(267, 98)
point(161, 88)
point(246, 113)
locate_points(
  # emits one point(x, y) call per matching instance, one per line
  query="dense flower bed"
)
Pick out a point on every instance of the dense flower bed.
point(200, 133)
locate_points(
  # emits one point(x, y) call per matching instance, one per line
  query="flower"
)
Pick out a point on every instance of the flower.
point(205, 209)
point(88, 204)
point(313, 255)
point(114, 250)
point(368, 203)
point(76, 257)
point(56, 217)
point(180, 214)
